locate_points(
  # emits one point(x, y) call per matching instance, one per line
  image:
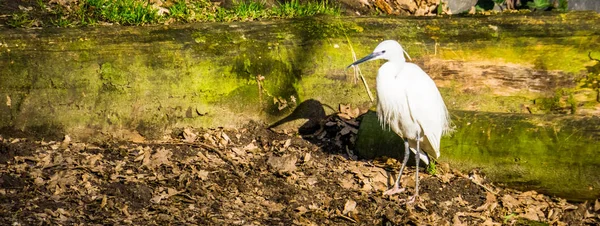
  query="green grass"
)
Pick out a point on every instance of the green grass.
point(180, 11)
point(294, 8)
point(255, 10)
point(539, 4)
point(125, 12)
point(22, 19)
point(142, 12)
point(563, 5)
point(250, 11)
point(61, 22)
point(431, 168)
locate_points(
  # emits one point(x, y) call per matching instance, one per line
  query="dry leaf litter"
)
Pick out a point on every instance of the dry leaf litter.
point(250, 176)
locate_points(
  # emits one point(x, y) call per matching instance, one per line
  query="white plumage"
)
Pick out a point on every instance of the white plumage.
point(409, 103)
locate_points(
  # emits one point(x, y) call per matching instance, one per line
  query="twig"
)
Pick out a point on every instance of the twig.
point(345, 218)
point(222, 156)
point(357, 71)
point(484, 187)
point(210, 148)
point(591, 58)
point(189, 197)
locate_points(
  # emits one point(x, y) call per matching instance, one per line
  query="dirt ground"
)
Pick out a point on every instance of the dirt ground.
point(250, 176)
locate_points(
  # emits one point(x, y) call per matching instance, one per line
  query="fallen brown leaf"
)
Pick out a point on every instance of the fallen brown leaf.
point(530, 214)
point(160, 157)
point(202, 174)
point(509, 201)
point(189, 136)
point(283, 164)
point(350, 206)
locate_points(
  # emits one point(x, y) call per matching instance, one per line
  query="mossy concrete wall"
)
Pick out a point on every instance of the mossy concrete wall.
point(129, 81)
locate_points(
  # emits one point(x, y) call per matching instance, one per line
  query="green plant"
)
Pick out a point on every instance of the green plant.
point(563, 5)
point(179, 11)
point(249, 10)
point(440, 7)
point(479, 9)
point(20, 20)
point(42, 4)
point(509, 217)
point(431, 168)
point(61, 22)
point(539, 4)
point(140, 12)
point(563, 101)
point(126, 12)
point(203, 10)
point(294, 8)
point(223, 15)
point(592, 79)
point(572, 103)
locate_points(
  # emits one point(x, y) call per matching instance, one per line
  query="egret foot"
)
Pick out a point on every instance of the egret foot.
point(413, 199)
point(396, 189)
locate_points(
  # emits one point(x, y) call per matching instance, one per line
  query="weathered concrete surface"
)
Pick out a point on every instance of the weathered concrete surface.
point(555, 154)
point(140, 82)
point(584, 5)
point(460, 6)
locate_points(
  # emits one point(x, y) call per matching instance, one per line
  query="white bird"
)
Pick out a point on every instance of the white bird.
point(410, 104)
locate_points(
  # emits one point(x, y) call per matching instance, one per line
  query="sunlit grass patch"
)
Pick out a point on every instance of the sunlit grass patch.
point(144, 12)
point(294, 8)
point(22, 19)
point(126, 12)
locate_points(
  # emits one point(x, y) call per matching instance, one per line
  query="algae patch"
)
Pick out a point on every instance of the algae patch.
point(112, 78)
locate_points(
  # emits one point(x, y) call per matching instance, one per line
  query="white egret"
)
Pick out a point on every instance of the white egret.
point(410, 104)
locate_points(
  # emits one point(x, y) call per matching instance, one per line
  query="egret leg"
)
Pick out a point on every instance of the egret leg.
point(416, 195)
point(396, 188)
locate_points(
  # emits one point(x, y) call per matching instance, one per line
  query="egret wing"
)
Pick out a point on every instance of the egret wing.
point(427, 108)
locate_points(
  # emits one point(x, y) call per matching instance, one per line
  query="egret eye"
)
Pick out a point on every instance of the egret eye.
point(383, 51)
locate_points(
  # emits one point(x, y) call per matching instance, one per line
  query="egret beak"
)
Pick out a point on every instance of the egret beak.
point(364, 59)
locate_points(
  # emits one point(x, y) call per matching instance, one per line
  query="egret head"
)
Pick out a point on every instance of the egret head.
point(388, 50)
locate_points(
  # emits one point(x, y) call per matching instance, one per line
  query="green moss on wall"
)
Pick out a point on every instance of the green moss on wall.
point(546, 53)
point(118, 78)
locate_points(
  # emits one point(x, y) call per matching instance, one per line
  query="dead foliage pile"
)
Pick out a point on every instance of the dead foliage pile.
point(248, 176)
